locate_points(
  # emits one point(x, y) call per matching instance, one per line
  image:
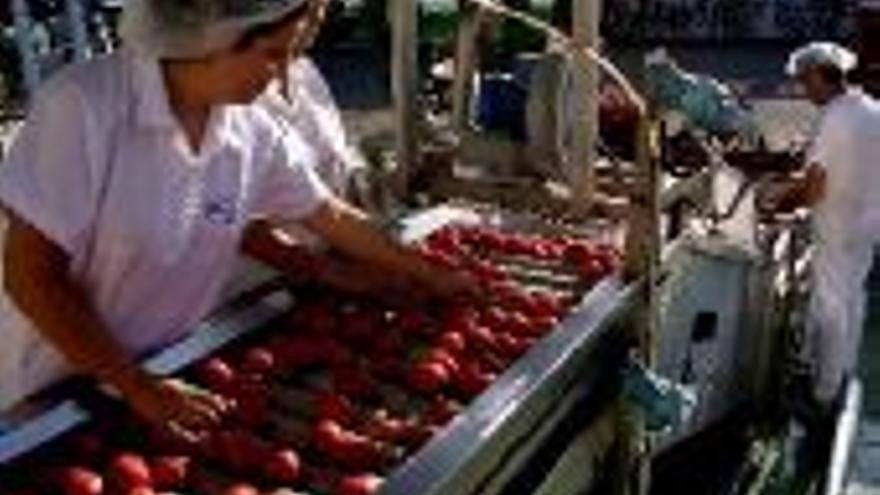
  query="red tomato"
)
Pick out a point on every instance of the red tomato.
point(518, 324)
point(543, 324)
point(486, 272)
point(80, 481)
point(444, 259)
point(452, 342)
point(445, 241)
point(129, 470)
point(472, 380)
point(241, 489)
point(170, 472)
point(327, 435)
point(251, 400)
point(384, 427)
point(544, 304)
point(239, 450)
point(216, 374)
point(578, 252)
point(358, 452)
point(481, 337)
point(446, 359)
point(509, 346)
point(362, 484)
point(441, 410)
point(283, 467)
point(141, 490)
point(428, 377)
point(494, 317)
point(328, 405)
point(592, 270)
point(259, 360)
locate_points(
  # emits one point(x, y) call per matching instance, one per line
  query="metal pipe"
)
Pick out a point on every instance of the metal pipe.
point(844, 440)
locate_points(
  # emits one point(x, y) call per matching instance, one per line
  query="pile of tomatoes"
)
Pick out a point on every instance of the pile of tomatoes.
point(343, 389)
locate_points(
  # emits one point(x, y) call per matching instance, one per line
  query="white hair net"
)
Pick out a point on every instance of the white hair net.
point(183, 29)
point(820, 53)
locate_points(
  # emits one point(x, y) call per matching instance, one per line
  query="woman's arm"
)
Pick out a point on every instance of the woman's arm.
point(273, 246)
point(349, 230)
point(36, 277)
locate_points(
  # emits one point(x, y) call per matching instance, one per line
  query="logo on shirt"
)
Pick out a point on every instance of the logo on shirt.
point(221, 210)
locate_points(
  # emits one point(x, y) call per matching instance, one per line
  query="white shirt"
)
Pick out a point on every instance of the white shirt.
point(152, 229)
point(305, 104)
point(311, 110)
point(847, 145)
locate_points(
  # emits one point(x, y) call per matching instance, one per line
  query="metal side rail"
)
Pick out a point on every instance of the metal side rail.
point(466, 454)
point(846, 431)
point(45, 419)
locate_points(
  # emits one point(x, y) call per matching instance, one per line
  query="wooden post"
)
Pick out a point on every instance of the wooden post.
point(586, 15)
point(404, 86)
point(643, 247)
point(466, 50)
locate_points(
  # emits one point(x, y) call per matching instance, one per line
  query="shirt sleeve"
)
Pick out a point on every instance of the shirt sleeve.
point(290, 190)
point(830, 141)
point(47, 177)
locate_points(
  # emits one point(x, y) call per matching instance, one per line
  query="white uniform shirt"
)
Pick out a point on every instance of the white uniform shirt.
point(152, 228)
point(847, 145)
point(311, 110)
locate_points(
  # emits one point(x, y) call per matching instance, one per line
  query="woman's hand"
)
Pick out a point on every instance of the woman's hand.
point(449, 284)
point(185, 411)
point(349, 231)
point(354, 277)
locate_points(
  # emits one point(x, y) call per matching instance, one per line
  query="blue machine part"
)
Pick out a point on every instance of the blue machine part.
point(707, 103)
point(501, 104)
point(666, 404)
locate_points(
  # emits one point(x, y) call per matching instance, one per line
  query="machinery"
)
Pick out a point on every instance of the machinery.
point(704, 294)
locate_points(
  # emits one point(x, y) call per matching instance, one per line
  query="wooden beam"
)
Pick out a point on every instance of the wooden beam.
point(404, 86)
point(466, 51)
point(586, 15)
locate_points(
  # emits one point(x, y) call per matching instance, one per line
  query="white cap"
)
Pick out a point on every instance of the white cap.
point(820, 53)
point(181, 29)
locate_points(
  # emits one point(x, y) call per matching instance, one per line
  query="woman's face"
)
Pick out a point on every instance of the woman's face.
point(243, 73)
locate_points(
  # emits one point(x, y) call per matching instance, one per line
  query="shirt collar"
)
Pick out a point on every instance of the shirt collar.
point(152, 107)
point(153, 110)
point(851, 93)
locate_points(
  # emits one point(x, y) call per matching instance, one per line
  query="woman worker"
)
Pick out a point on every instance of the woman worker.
point(301, 100)
point(136, 181)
